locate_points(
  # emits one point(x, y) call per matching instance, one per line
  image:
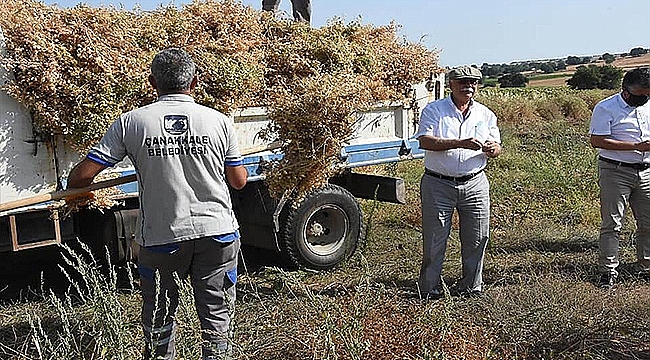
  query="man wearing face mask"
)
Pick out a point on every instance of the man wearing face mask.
point(620, 130)
point(459, 135)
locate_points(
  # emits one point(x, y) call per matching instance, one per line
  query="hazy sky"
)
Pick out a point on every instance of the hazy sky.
point(478, 31)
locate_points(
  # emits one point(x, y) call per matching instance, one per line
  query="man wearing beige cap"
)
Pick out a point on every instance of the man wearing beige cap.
point(459, 135)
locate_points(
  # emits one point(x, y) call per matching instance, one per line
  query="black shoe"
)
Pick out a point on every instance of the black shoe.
point(641, 271)
point(644, 274)
point(607, 281)
point(434, 294)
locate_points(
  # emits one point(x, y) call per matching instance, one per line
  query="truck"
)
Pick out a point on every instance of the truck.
point(317, 232)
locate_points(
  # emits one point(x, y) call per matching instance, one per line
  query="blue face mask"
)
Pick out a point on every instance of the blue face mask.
point(636, 100)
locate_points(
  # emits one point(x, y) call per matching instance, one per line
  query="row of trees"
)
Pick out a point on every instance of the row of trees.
point(494, 70)
point(585, 77)
point(550, 66)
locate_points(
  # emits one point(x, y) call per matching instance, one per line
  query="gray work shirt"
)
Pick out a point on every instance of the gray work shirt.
point(179, 150)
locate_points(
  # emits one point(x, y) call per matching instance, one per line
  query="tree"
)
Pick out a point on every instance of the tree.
point(638, 51)
point(608, 58)
point(610, 77)
point(547, 68)
point(513, 80)
point(596, 77)
point(573, 60)
point(585, 77)
point(491, 70)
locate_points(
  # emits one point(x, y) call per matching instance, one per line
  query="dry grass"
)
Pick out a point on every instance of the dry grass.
point(633, 62)
point(540, 273)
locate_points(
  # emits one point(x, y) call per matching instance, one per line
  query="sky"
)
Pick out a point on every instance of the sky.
point(481, 31)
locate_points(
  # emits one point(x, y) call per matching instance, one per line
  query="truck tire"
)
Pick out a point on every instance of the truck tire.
point(323, 229)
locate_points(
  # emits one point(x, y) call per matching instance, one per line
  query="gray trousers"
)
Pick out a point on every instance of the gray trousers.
point(212, 267)
point(472, 201)
point(301, 8)
point(619, 187)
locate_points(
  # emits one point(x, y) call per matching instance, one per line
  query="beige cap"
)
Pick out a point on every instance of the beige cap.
point(465, 72)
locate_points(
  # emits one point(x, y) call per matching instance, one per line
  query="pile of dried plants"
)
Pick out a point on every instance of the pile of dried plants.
point(77, 69)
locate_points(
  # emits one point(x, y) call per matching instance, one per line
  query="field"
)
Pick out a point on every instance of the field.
point(629, 62)
point(559, 78)
point(541, 302)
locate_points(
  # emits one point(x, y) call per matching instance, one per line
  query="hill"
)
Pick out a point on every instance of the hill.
point(559, 78)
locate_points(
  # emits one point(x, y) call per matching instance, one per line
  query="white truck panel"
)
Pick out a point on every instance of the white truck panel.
point(27, 166)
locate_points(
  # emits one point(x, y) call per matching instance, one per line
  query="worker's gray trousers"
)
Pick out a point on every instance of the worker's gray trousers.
point(619, 187)
point(301, 8)
point(212, 267)
point(472, 201)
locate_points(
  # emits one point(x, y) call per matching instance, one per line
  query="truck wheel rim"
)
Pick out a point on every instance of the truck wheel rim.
point(326, 230)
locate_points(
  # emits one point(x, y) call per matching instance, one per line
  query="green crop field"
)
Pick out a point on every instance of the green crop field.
point(541, 299)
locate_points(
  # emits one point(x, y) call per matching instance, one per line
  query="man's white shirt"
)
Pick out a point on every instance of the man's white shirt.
point(442, 119)
point(614, 118)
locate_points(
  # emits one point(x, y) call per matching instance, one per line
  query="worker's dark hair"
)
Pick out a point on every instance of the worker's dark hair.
point(639, 77)
point(173, 70)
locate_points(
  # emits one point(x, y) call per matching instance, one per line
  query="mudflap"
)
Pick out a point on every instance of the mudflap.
point(112, 231)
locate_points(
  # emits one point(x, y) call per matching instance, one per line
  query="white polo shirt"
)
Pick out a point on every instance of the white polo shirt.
point(180, 150)
point(614, 118)
point(442, 119)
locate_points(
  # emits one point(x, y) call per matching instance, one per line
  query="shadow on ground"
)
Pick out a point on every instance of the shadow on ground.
point(571, 246)
point(25, 274)
point(253, 259)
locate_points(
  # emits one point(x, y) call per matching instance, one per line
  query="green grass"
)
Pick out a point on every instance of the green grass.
point(540, 273)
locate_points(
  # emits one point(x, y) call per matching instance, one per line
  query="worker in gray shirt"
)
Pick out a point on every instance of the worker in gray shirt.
point(185, 156)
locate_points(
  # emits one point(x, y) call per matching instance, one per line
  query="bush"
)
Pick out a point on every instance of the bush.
point(513, 80)
point(596, 77)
